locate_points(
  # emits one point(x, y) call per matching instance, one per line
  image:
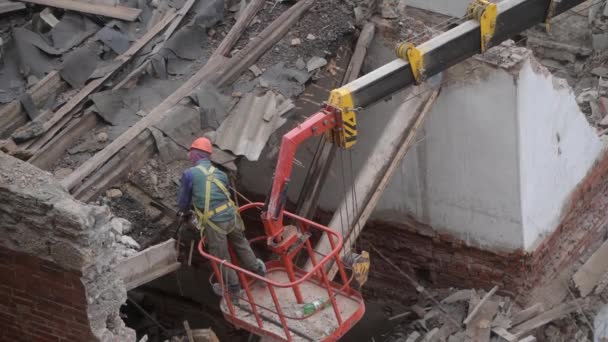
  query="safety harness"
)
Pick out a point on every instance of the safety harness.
point(204, 218)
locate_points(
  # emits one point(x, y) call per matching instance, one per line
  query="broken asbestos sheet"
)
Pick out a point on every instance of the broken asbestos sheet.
point(287, 81)
point(248, 127)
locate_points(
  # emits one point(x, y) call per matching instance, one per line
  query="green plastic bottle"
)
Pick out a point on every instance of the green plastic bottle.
point(311, 307)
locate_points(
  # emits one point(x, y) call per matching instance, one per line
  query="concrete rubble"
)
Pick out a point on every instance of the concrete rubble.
point(38, 217)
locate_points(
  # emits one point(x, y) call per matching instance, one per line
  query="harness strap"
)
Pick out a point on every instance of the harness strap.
point(205, 216)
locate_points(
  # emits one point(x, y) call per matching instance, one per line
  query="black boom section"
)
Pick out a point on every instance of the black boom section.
point(453, 47)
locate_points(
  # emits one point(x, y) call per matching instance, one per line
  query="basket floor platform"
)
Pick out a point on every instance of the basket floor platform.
point(322, 326)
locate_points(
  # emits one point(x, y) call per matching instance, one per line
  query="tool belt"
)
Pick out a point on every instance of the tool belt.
point(204, 217)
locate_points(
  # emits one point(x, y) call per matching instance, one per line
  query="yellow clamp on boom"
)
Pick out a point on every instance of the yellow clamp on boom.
point(550, 14)
point(342, 99)
point(485, 12)
point(410, 53)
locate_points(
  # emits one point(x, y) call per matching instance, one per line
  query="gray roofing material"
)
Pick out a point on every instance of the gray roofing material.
point(247, 129)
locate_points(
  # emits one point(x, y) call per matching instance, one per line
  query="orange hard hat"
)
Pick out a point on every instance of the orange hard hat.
point(202, 144)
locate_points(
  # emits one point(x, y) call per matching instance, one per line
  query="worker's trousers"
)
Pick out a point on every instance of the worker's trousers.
point(218, 246)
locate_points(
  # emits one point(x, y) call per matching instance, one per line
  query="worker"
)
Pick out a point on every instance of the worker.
point(204, 190)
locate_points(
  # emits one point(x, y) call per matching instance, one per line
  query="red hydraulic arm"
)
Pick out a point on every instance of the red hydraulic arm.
point(315, 125)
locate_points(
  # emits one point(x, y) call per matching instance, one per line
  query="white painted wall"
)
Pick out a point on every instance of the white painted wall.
point(556, 149)
point(489, 167)
point(462, 176)
point(486, 166)
point(454, 8)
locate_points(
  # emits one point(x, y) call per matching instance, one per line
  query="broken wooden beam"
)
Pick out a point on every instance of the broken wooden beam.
point(367, 209)
point(419, 288)
point(592, 271)
point(116, 12)
point(48, 17)
point(204, 335)
point(136, 152)
point(159, 112)
point(188, 331)
point(149, 264)
point(12, 115)
point(504, 334)
point(526, 314)
point(261, 43)
point(10, 6)
point(480, 305)
point(238, 28)
point(480, 324)
point(375, 175)
point(356, 62)
point(96, 83)
point(174, 24)
point(547, 317)
point(50, 153)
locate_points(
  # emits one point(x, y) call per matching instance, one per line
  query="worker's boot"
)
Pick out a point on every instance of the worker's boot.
point(261, 270)
point(234, 291)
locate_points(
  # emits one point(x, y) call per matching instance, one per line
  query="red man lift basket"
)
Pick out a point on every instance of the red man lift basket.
point(291, 303)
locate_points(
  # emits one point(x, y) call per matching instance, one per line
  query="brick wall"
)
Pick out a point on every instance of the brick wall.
point(40, 301)
point(445, 261)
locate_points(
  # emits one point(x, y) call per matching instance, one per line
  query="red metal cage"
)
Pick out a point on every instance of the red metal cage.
point(272, 305)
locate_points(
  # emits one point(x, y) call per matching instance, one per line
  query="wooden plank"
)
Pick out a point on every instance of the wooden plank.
point(149, 264)
point(480, 305)
point(504, 334)
point(479, 327)
point(12, 114)
point(148, 277)
point(96, 83)
point(117, 12)
point(10, 6)
point(238, 28)
point(547, 317)
point(188, 331)
point(590, 274)
point(526, 314)
point(204, 335)
point(180, 16)
point(51, 152)
point(34, 145)
point(367, 207)
point(159, 112)
point(48, 17)
point(136, 152)
point(261, 43)
point(356, 62)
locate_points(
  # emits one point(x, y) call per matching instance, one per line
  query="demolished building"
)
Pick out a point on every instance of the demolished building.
point(499, 186)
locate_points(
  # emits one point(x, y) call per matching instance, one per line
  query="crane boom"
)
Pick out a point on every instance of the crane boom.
point(452, 47)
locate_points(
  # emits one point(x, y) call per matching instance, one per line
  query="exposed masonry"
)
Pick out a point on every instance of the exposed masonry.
point(448, 262)
point(57, 262)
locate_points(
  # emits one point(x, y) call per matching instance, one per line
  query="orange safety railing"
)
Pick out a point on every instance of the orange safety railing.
point(317, 274)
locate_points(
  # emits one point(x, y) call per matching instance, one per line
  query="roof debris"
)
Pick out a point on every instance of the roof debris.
point(248, 127)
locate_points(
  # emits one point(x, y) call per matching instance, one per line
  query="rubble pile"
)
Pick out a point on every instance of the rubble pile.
point(576, 48)
point(476, 316)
